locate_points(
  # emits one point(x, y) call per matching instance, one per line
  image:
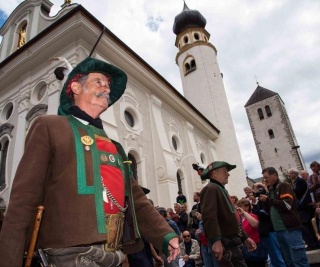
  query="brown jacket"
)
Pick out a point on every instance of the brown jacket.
point(46, 176)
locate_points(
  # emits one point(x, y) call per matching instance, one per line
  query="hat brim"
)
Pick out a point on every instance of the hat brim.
point(118, 81)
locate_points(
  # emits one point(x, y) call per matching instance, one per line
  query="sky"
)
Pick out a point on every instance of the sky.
point(276, 43)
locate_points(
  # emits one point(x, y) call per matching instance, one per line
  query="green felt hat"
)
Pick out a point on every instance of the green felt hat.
point(216, 165)
point(118, 81)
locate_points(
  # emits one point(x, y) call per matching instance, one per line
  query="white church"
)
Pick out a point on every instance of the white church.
point(163, 132)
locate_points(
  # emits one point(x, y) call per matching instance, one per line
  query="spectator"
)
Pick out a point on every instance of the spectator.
point(174, 226)
point(190, 250)
point(280, 204)
point(234, 200)
point(250, 224)
point(304, 207)
point(183, 218)
point(205, 246)
point(195, 208)
point(304, 175)
point(316, 221)
point(266, 231)
point(220, 221)
point(181, 198)
point(314, 180)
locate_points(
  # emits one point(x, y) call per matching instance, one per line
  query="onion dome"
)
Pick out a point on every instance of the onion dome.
point(188, 19)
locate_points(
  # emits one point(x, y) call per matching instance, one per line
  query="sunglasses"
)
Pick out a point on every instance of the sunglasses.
point(185, 236)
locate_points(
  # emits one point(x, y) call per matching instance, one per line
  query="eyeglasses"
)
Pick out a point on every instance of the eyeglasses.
point(185, 236)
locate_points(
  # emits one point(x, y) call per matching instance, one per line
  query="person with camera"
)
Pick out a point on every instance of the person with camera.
point(280, 203)
point(266, 232)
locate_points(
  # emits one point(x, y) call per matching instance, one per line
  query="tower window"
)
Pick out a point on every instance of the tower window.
point(260, 113)
point(186, 39)
point(196, 36)
point(271, 134)
point(268, 111)
point(187, 67)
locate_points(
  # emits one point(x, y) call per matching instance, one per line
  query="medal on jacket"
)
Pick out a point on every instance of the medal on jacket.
point(87, 141)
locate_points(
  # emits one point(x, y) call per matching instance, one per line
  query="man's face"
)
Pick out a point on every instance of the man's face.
point(93, 96)
point(304, 175)
point(314, 168)
point(292, 175)
point(270, 179)
point(221, 175)
point(195, 198)
point(186, 236)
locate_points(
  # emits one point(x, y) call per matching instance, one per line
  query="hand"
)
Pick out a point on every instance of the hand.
point(185, 257)
point(159, 260)
point(263, 198)
point(198, 232)
point(240, 211)
point(250, 244)
point(173, 248)
point(217, 250)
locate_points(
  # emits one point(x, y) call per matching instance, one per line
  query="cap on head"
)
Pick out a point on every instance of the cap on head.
point(118, 81)
point(216, 165)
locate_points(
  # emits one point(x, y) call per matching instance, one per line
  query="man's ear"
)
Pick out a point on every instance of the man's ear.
point(76, 88)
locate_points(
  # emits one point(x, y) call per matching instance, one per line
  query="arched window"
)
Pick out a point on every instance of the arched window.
point(3, 160)
point(22, 35)
point(193, 64)
point(179, 182)
point(271, 134)
point(186, 39)
point(133, 166)
point(260, 113)
point(268, 111)
point(190, 64)
point(187, 65)
point(196, 36)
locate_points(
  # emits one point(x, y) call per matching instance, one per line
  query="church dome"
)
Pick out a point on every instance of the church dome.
point(188, 19)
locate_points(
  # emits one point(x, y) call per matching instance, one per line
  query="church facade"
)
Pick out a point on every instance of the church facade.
point(162, 131)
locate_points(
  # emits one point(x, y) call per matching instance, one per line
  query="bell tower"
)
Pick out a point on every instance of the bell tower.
point(203, 86)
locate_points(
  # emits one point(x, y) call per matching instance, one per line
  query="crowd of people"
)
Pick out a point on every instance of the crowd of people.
point(96, 213)
point(281, 220)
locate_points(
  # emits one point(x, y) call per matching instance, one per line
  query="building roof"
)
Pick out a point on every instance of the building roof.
point(188, 19)
point(259, 94)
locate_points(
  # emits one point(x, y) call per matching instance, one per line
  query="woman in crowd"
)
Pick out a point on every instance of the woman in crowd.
point(250, 224)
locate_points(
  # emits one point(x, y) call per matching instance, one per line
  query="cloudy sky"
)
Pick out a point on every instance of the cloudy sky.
point(277, 41)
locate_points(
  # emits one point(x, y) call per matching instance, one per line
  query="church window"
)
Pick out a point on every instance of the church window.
point(3, 160)
point(196, 36)
point(22, 35)
point(174, 143)
point(268, 111)
point(271, 134)
point(203, 158)
point(129, 118)
point(179, 182)
point(260, 113)
point(133, 166)
point(186, 39)
point(7, 112)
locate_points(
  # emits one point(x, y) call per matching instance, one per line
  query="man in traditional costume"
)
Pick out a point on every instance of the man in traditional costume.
point(94, 211)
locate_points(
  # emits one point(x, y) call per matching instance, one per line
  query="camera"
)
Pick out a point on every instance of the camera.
point(260, 191)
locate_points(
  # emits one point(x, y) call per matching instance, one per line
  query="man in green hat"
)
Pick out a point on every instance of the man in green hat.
point(221, 223)
point(94, 211)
